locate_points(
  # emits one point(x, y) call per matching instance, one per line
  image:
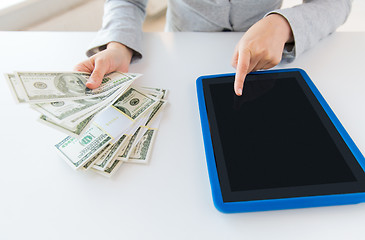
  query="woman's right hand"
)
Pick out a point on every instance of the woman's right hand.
point(116, 57)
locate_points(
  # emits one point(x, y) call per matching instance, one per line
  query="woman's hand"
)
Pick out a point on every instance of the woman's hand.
point(116, 57)
point(261, 47)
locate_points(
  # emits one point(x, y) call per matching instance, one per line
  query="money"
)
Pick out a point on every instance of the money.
point(67, 110)
point(101, 153)
point(15, 88)
point(104, 160)
point(77, 152)
point(108, 126)
point(137, 147)
point(133, 103)
point(143, 148)
point(44, 87)
point(125, 154)
point(141, 113)
point(76, 131)
point(111, 169)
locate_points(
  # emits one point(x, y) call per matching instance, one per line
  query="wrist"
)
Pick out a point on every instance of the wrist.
point(119, 46)
point(283, 26)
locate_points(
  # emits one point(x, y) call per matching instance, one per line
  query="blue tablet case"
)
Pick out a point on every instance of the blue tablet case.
point(273, 204)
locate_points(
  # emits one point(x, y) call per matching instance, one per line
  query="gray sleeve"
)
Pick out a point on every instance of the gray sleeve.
point(122, 22)
point(312, 21)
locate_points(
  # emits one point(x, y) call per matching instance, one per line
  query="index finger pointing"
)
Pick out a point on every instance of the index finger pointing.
point(242, 70)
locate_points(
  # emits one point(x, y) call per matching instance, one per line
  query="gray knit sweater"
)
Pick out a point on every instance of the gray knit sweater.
point(310, 21)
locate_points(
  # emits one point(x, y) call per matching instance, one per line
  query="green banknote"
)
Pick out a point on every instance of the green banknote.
point(77, 152)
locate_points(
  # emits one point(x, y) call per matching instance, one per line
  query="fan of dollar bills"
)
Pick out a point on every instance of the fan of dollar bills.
point(107, 126)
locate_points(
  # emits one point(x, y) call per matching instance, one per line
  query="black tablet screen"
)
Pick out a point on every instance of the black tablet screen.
point(276, 141)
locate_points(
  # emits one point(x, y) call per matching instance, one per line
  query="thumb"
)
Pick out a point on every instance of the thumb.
point(97, 75)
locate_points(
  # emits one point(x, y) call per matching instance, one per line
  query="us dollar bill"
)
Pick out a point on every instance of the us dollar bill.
point(15, 87)
point(141, 129)
point(111, 169)
point(103, 162)
point(107, 126)
point(141, 147)
point(133, 103)
point(72, 123)
point(156, 92)
point(113, 166)
point(126, 113)
point(126, 151)
point(75, 131)
point(155, 111)
point(90, 163)
point(55, 86)
point(69, 110)
point(77, 152)
point(114, 80)
point(142, 150)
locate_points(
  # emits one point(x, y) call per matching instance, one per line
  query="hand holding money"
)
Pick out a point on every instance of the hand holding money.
point(114, 123)
point(116, 57)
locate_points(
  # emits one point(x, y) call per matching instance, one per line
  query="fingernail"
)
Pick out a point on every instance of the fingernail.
point(240, 91)
point(89, 83)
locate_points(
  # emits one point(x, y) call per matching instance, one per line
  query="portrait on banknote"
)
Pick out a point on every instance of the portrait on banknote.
point(70, 83)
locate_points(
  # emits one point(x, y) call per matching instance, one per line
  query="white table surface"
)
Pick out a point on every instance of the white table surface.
point(169, 198)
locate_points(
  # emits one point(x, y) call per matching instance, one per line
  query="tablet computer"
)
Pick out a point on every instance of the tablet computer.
point(278, 146)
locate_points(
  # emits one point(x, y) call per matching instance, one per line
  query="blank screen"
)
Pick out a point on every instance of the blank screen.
point(274, 137)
